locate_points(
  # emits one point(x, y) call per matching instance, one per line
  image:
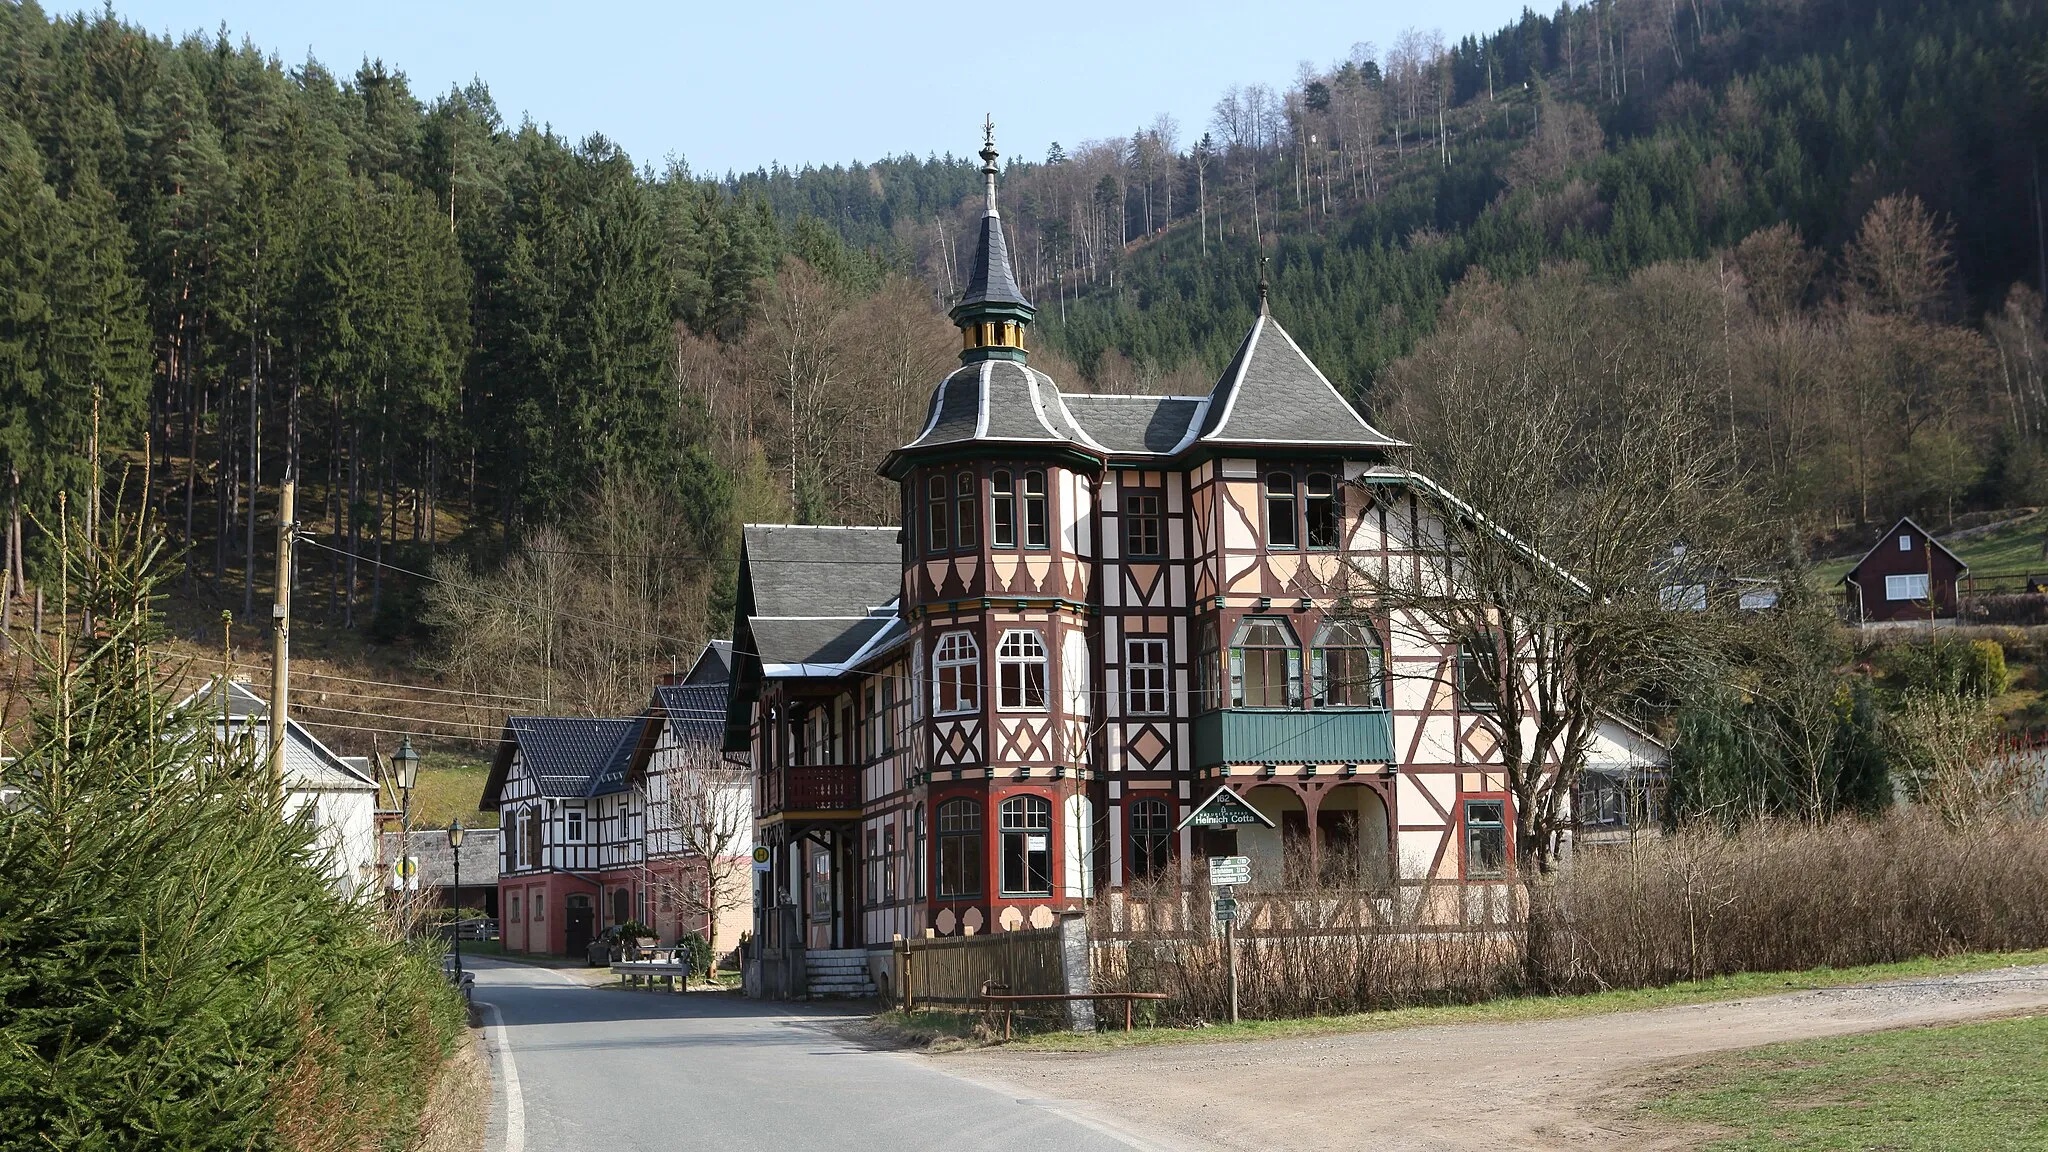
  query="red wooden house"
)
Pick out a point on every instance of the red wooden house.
point(1907, 575)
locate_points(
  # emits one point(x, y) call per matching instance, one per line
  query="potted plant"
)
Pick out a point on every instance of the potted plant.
point(630, 935)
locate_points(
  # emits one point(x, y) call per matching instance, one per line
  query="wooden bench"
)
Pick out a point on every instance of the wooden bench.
point(633, 971)
point(991, 997)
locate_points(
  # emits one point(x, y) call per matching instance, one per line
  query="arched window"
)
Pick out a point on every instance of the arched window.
point(1002, 516)
point(1345, 665)
point(1027, 846)
point(1037, 524)
point(1265, 665)
point(956, 674)
point(1280, 525)
point(964, 503)
point(935, 513)
point(1320, 510)
point(1151, 837)
point(959, 849)
point(1020, 670)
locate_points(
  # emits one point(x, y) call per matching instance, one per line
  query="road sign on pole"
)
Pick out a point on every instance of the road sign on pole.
point(761, 858)
point(1226, 909)
point(1225, 871)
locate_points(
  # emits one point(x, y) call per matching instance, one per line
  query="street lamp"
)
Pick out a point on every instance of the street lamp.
point(455, 847)
point(405, 770)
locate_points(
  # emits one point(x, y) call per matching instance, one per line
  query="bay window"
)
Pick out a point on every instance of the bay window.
point(1027, 846)
point(956, 675)
point(959, 849)
point(1265, 664)
point(1020, 670)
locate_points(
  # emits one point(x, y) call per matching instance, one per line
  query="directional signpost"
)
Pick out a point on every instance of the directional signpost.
point(1225, 873)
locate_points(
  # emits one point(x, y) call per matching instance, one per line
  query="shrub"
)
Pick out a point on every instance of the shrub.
point(695, 951)
point(1698, 903)
point(178, 972)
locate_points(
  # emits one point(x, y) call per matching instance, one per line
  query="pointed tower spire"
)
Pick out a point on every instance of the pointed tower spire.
point(1264, 310)
point(993, 313)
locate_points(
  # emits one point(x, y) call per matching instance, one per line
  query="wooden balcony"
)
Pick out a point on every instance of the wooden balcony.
point(829, 791)
point(1324, 736)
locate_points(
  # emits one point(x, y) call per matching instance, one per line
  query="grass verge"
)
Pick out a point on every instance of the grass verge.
point(1503, 1011)
point(1981, 1086)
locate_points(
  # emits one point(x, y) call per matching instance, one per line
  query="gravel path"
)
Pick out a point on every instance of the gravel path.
point(1535, 1084)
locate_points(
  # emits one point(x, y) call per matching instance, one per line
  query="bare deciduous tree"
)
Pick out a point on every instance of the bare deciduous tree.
point(700, 817)
point(1572, 498)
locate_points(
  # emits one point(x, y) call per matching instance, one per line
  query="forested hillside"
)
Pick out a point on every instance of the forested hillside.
point(529, 388)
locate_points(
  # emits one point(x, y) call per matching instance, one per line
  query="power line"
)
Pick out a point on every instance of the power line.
point(390, 683)
point(389, 716)
point(475, 591)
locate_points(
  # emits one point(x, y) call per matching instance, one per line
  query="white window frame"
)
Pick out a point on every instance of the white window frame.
point(1906, 542)
point(1906, 586)
point(1018, 652)
point(573, 821)
point(957, 660)
point(1146, 675)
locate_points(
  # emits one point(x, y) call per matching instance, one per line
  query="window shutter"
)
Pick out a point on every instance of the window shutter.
point(1293, 678)
point(1237, 677)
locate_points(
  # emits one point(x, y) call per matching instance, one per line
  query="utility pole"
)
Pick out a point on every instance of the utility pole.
point(281, 631)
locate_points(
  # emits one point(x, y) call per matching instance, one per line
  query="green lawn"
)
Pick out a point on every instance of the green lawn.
point(1976, 1086)
point(928, 1025)
point(448, 788)
point(2014, 549)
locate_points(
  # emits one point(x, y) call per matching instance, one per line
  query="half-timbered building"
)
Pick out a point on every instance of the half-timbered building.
point(1096, 611)
point(572, 830)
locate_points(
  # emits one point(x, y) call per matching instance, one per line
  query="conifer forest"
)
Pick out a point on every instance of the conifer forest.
point(494, 358)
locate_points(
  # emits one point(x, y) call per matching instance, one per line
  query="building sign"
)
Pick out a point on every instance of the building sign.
point(1224, 809)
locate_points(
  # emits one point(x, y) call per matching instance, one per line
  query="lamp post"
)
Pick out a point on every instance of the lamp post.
point(405, 768)
point(455, 847)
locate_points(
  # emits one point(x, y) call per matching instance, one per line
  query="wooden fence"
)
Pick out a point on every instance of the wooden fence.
point(950, 970)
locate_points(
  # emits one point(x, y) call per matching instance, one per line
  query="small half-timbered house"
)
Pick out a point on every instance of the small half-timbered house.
point(572, 830)
point(1095, 612)
point(700, 826)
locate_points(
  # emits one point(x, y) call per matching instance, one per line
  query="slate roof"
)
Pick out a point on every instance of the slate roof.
point(1273, 394)
point(1003, 401)
point(805, 570)
point(989, 280)
point(569, 757)
point(694, 712)
point(714, 664)
point(309, 764)
point(1136, 425)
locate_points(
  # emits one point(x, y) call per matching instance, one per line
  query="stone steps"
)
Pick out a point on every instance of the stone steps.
point(838, 972)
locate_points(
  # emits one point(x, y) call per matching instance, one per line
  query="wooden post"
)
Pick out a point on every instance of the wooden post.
point(281, 636)
point(1230, 964)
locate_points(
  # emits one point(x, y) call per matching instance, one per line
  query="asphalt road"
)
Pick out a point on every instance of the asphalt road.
point(608, 1070)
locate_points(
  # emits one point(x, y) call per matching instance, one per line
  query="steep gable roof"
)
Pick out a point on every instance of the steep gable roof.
point(1272, 393)
point(797, 570)
point(1892, 534)
point(989, 279)
point(569, 757)
point(309, 764)
point(713, 666)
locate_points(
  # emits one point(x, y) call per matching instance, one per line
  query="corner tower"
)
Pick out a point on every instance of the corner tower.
point(993, 313)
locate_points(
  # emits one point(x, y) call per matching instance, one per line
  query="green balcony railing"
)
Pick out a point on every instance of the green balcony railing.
point(1328, 736)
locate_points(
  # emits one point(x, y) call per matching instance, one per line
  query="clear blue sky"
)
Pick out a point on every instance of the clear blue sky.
point(749, 82)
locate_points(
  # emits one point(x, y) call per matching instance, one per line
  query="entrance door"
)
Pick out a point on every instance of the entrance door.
point(576, 926)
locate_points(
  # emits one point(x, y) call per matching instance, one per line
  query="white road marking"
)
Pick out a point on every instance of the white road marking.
point(508, 1075)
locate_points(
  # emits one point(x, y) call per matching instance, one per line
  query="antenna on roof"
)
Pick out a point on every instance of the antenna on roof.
point(1263, 261)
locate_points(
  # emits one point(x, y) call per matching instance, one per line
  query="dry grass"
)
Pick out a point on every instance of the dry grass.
point(458, 1113)
point(1688, 907)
